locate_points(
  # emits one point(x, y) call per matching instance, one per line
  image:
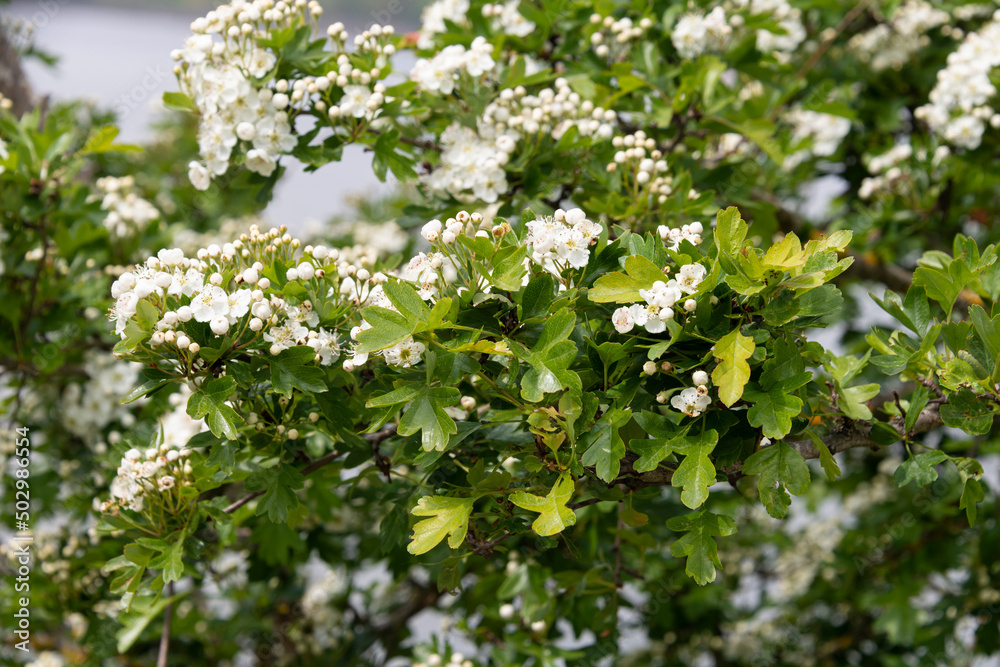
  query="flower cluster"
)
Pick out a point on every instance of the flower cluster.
point(434, 17)
point(435, 660)
point(508, 19)
point(323, 585)
point(674, 236)
point(474, 160)
point(660, 299)
point(692, 401)
point(891, 45)
point(889, 172)
point(469, 163)
point(642, 166)
point(439, 74)
point(516, 114)
point(885, 168)
point(156, 470)
point(958, 109)
point(695, 34)
point(614, 37)
point(223, 79)
point(127, 212)
point(181, 292)
point(562, 240)
point(821, 132)
point(792, 33)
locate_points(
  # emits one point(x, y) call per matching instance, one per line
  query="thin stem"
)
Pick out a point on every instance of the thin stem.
point(162, 658)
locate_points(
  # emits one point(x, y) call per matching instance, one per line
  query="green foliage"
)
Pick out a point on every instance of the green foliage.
point(557, 415)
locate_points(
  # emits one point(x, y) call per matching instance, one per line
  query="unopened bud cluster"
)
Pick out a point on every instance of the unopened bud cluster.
point(614, 37)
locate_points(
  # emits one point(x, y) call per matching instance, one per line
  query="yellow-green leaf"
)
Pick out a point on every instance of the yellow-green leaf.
point(733, 371)
point(554, 516)
point(449, 516)
point(786, 253)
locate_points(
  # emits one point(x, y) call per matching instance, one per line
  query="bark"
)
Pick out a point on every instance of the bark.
point(13, 84)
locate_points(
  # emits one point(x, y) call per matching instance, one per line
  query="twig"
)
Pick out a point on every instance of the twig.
point(584, 503)
point(161, 659)
point(847, 435)
point(899, 406)
point(828, 42)
point(421, 143)
point(374, 438)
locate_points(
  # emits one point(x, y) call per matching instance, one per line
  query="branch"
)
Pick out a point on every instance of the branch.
point(849, 435)
point(374, 438)
point(859, 434)
point(422, 143)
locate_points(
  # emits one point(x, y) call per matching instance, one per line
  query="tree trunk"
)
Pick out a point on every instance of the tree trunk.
point(13, 84)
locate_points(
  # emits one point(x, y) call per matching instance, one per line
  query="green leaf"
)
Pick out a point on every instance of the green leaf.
point(223, 455)
point(918, 401)
point(938, 284)
point(554, 516)
point(773, 410)
point(392, 529)
point(427, 415)
point(537, 297)
point(279, 484)
point(651, 452)
point(852, 400)
point(449, 516)
point(177, 101)
point(972, 494)
point(698, 543)
point(209, 403)
point(968, 412)
point(606, 446)
point(696, 472)
point(171, 561)
point(819, 302)
point(133, 623)
point(403, 394)
point(387, 157)
point(640, 273)
point(918, 310)
point(550, 359)
point(730, 231)
point(388, 329)
point(152, 379)
point(782, 470)
point(733, 371)
point(919, 469)
point(289, 371)
point(406, 300)
point(102, 140)
point(826, 459)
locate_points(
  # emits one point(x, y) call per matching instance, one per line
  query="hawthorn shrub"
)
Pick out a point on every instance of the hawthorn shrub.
point(652, 269)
